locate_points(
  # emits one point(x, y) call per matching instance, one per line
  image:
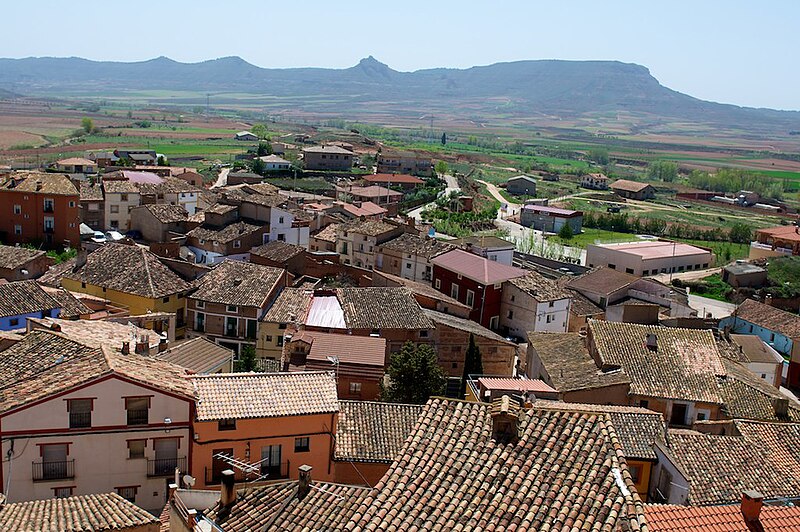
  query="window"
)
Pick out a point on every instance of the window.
point(470, 297)
point(80, 413)
point(165, 300)
point(138, 410)
point(49, 224)
point(252, 326)
point(114, 209)
point(301, 444)
point(232, 308)
point(123, 197)
point(270, 461)
point(408, 265)
point(423, 334)
point(280, 220)
point(237, 244)
point(136, 448)
point(494, 322)
point(643, 403)
point(678, 416)
point(612, 266)
point(17, 209)
point(17, 229)
point(454, 291)
point(62, 493)
point(13, 322)
point(279, 341)
point(629, 270)
point(49, 205)
point(438, 284)
point(71, 204)
point(127, 492)
point(200, 304)
point(511, 314)
point(551, 304)
point(226, 424)
point(645, 272)
point(549, 318)
point(512, 298)
point(635, 471)
point(355, 387)
point(281, 237)
point(705, 265)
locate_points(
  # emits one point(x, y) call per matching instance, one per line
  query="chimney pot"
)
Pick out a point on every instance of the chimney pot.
point(126, 348)
point(752, 501)
point(303, 480)
point(505, 419)
point(227, 495)
point(652, 342)
point(55, 327)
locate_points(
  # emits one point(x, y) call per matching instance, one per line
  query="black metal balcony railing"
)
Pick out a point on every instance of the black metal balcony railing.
point(276, 472)
point(80, 420)
point(137, 417)
point(164, 467)
point(49, 470)
point(49, 208)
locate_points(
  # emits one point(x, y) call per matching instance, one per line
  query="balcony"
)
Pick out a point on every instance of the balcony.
point(165, 467)
point(80, 420)
point(59, 470)
point(263, 472)
point(49, 208)
point(138, 417)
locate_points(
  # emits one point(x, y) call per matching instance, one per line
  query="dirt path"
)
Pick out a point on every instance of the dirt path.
point(222, 178)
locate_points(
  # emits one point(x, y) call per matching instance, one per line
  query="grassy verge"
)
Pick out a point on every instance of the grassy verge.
point(724, 252)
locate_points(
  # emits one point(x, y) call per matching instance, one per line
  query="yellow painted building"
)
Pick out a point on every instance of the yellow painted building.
point(130, 276)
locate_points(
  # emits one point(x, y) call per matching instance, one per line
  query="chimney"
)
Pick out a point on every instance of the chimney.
point(652, 342)
point(38, 185)
point(505, 420)
point(55, 327)
point(80, 259)
point(752, 501)
point(781, 407)
point(227, 495)
point(143, 345)
point(126, 348)
point(162, 345)
point(303, 481)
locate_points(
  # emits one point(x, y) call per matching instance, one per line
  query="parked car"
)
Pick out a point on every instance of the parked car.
point(99, 237)
point(114, 236)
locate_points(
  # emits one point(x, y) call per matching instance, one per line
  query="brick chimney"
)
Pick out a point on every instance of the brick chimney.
point(163, 345)
point(227, 494)
point(143, 345)
point(303, 481)
point(55, 327)
point(652, 342)
point(505, 420)
point(752, 501)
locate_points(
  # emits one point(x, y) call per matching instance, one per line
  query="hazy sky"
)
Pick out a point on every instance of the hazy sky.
point(730, 51)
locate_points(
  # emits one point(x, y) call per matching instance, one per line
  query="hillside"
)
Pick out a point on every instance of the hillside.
point(556, 89)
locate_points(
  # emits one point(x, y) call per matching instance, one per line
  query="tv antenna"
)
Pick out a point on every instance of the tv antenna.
point(250, 470)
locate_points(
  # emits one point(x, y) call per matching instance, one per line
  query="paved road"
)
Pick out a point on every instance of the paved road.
point(717, 309)
point(513, 208)
point(452, 184)
point(222, 178)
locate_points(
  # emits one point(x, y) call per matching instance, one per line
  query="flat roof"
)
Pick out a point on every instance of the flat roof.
point(655, 249)
point(552, 210)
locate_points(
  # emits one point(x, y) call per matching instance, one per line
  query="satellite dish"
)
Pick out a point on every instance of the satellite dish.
point(189, 480)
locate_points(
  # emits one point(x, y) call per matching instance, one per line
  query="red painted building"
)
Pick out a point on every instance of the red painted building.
point(39, 207)
point(474, 281)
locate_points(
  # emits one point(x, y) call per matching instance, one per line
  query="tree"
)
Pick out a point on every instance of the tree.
point(599, 155)
point(444, 139)
point(666, 171)
point(258, 166)
point(162, 161)
point(740, 233)
point(260, 131)
point(264, 148)
point(414, 375)
point(247, 359)
point(565, 233)
point(441, 167)
point(87, 124)
point(473, 365)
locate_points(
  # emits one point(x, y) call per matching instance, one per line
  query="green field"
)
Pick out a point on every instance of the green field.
point(594, 236)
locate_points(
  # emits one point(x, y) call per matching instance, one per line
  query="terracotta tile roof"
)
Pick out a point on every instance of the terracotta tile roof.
point(91, 192)
point(83, 513)
point(113, 186)
point(747, 396)
point(24, 297)
point(728, 518)
point(166, 213)
point(381, 308)
point(95, 333)
point(638, 428)
point(13, 257)
point(46, 362)
point(229, 233)
point(274, 507)
point(75, 160)
point(168, 185)
point(360, 350)
point(198, 355)
point(393, 179)
point(582, 305)
point(53, 275)
point(628, 186)
point(373, 432)
point(417, 245)
point(684, 366)
point(366, 227)
point(566, 471)
point(328, 234)
point(129, 269)
point(464, 324)
point(291, 305)
point(256, 395)
point(601, 281)
point(278, 251)
point(71, 306)
point(221, 208)
point(265, 200)
point(366, 208)
point(569, 365)
point(41, 183)
point(720, 468)
point(422, 289)
point(539, 287)
point(479, 269)
point(782, 441)
point(769, 317)
point(239, 283)
point(755, 349)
